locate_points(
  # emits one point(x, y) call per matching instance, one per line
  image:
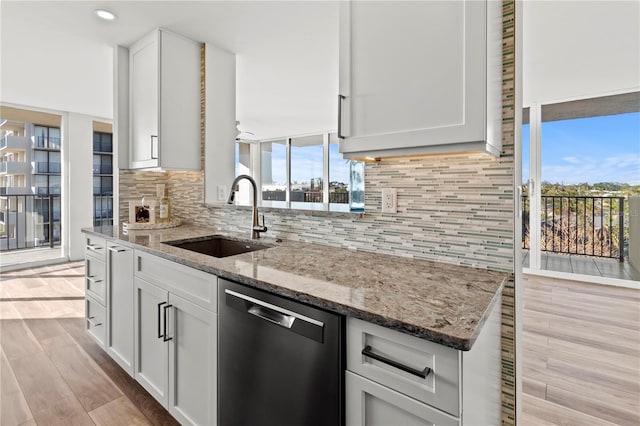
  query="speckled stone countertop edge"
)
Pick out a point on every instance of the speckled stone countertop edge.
point(464, 344)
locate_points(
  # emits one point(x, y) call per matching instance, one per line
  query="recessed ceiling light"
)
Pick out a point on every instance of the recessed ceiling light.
point(105, 14)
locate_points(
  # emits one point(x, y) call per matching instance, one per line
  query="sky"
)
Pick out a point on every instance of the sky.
point(596, 149)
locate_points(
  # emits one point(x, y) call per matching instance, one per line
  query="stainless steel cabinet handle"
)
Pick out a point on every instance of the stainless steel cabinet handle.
point(117, 249)
point(93, 280)
point(160, 335)
point(93, 247)
point(340, 99)
point(154, 157)
point(94, 324)
point(420, 373)
point(166, 338)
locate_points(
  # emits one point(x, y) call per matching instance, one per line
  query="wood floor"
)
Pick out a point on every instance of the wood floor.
point(51, 371)
point(581, 354)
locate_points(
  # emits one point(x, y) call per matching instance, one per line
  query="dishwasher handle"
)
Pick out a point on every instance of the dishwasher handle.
point(293, 321)
point(270, 315)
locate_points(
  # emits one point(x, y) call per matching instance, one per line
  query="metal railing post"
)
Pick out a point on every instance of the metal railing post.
point(50, 221)
point(621, 230)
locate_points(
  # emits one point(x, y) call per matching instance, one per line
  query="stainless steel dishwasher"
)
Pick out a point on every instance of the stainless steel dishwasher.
point(279, 362)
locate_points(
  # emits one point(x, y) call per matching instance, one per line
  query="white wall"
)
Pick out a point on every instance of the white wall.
point(577, 48)
point(77, 196)
point(53, 69)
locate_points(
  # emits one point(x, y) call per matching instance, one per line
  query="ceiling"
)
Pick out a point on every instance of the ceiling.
point(287, 52)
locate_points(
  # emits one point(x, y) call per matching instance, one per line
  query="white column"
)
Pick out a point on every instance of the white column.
point(77, 182)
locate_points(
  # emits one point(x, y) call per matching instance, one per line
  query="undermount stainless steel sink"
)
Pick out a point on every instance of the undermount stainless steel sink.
point(217, 245)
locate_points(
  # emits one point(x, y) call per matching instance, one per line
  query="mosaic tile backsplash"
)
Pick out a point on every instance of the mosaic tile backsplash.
point(455, 209)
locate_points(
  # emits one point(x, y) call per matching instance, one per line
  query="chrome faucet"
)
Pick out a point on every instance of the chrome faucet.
point(256, 228)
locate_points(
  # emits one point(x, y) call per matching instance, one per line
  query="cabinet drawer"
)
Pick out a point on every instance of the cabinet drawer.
point(96, 246)
point(192, 284)
point(95, 279)
point(395, 350)
point(95, 316)
point(371, 404)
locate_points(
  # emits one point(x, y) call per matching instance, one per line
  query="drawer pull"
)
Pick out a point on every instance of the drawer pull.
point(93, 247)
point(420, 373)
point(94, 280)
point(116, 249)
point(94, 324)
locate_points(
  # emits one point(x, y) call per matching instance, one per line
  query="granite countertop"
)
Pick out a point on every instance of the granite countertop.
point(440, 302)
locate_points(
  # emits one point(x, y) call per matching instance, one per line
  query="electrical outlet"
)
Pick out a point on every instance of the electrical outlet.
point(389, 200)
point(222, 192)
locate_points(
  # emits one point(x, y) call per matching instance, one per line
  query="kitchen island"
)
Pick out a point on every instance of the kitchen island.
point(428, 313)
point(443, 303)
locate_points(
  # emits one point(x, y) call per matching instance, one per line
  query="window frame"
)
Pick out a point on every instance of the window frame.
point(255, 169)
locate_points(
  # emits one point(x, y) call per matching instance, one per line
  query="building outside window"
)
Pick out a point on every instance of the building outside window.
point(102, 178)
point(30, 180)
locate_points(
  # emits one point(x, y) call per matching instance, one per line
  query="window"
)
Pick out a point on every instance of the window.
point(305, 172)
point(307, 165)
point(102, 178)
point(47, 137)
point(274, 172)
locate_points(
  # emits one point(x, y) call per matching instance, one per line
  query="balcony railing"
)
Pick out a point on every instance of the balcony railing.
point(47, 142)
point(103, 210)
point(48, 167)
point(579, 225)
point(29, 221)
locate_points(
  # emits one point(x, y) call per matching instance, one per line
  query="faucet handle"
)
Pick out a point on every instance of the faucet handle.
point(260, 228)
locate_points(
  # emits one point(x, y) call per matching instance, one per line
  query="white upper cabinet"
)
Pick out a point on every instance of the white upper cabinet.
point(419, 77)
point(164, 102)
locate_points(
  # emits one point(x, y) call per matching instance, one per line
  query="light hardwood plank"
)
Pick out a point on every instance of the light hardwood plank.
point(87, 381)
point(40, 382)
point(118, 412)
point(8, 311)
point(589, 337)
point(13, 407)
point(538, 412)
point(43, 329)
point(534, 388)
point(64, 412)
point(593, 404)
point(17, 340)
point(603, 354)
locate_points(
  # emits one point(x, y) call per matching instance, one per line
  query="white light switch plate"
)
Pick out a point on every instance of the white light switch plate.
point(389, 200)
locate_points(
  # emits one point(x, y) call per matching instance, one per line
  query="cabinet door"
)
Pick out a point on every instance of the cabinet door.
point(371, 404)
point(151, 351)
point(144, 87)
point(120, 292)
point(192, 363)
point(180, 102)
point(413, 74)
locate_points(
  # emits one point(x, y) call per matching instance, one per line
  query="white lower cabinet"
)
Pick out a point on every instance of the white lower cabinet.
point(119, 306)
point(152, 353)
point(176, 350)
point(371, 404)
point(397, 379)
